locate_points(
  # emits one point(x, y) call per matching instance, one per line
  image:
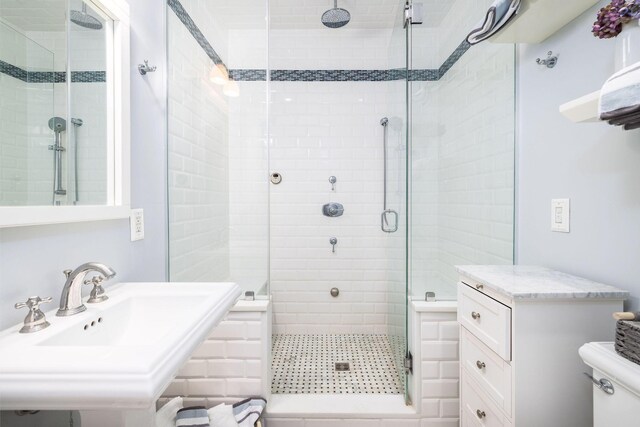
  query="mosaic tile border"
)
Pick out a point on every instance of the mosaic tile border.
point(185, 18)
point(52, 76)
point(453, 58)
point(257, 75)
point(13, 71)
point(250, 75)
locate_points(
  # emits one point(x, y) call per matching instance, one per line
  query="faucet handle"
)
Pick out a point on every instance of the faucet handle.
point(97, 293)
point(35, 319)
point(33, 303)
point(67, 273)
point(95, 280)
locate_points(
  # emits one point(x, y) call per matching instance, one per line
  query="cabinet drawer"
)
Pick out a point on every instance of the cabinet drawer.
point(489, 370)
point(477, 411)
point(486, 318)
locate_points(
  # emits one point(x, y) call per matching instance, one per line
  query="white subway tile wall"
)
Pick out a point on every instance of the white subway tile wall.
point(27, 163)
point(14, 147)
point(249, 187)
point(198, 162)
point(347, 49)
point(476, 154)
point(436, 367)
point(40, 157)
point(323, 129)
point(89, 103)
point(230, 365)
point(463, 157)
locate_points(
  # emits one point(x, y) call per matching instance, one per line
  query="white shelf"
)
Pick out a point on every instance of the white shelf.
point(583, 109)
point(539, 19)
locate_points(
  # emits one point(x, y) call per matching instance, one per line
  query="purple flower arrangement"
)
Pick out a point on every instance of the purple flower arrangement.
point(612, 18)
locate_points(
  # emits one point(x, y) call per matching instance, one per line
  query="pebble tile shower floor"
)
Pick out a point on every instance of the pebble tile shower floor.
point(305, 364)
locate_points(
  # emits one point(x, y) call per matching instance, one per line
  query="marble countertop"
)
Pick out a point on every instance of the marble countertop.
point(532, 282)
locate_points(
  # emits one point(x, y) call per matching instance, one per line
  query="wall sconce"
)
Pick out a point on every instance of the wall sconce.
point(219, 74)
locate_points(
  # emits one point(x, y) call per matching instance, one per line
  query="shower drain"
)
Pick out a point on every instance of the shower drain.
point(342, 366)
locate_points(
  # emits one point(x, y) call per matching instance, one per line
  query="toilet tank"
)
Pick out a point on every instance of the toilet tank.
point(622, 406)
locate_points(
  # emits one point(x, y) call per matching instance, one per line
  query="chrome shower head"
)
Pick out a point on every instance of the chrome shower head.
point(85, 20)
point(336, 17)
point(57, 124)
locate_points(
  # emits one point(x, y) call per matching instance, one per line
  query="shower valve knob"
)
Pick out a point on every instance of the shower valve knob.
point(333, 209)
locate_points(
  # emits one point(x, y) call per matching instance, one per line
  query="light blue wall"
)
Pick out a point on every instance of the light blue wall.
point(32, 258)
point(595, 165)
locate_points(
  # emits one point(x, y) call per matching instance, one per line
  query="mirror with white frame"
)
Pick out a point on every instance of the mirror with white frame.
point(64, 121)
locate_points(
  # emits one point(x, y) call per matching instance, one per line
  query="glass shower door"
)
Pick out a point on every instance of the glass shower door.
point(463, 144)
point(394, 225)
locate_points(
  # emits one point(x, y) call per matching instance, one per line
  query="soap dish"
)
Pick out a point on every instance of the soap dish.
point(628, 340)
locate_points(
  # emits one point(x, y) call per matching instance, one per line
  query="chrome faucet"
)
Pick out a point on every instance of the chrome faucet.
point(71, 298)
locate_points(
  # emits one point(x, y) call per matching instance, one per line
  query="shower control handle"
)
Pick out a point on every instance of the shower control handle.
point(332, 181)
point(333, 210)
point(333, 242)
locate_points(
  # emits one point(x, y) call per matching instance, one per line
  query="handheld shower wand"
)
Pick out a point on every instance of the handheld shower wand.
point(57, 125)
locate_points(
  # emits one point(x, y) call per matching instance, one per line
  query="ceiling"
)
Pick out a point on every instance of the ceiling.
point(49, 15)
point(306, 14)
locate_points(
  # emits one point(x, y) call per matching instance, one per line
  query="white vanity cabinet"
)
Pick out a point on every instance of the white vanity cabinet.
point(520, 330)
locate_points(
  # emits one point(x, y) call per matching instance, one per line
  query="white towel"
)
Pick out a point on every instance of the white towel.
point(193, 416)
point(166, 416)
point(222, 416)
point(621, 91)
point(498, 15)
point(249, 411)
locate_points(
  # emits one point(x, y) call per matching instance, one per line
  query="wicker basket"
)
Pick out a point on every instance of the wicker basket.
point(628, 340)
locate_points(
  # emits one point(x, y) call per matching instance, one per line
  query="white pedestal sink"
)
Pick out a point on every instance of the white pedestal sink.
point(118, 356)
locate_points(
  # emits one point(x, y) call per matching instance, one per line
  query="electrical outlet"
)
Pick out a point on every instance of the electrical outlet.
point(137, 224)
point(560, 215)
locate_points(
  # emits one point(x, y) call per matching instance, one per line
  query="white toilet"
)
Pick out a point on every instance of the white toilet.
point(616, 390)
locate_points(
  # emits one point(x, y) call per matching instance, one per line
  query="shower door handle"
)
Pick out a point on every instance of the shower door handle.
point(385, 225)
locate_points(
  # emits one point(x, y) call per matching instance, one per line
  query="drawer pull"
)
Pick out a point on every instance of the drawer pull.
point(481, 365)
point(479, 287)
point(480, 414)
point(475, 315)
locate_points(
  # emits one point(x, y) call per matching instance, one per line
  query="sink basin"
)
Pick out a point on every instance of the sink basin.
point(121, 353)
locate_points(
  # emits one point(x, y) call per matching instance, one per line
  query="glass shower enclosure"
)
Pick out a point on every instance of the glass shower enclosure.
point(340, 172)
point(269, 121)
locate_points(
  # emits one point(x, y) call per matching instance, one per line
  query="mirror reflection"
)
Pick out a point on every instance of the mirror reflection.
point(54, 83)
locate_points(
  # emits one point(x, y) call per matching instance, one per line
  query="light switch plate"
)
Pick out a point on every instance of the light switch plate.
point(137, 224)
point(560, 215)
